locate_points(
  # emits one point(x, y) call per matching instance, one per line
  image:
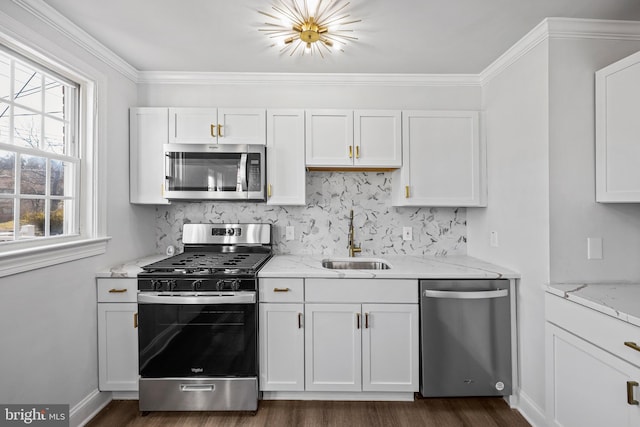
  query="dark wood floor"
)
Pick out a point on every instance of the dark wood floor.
point(472, 412)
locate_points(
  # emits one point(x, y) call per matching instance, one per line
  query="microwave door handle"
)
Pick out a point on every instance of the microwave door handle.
point(242, 174)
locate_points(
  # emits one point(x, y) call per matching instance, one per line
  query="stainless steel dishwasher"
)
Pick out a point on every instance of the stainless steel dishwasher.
point(465, 338)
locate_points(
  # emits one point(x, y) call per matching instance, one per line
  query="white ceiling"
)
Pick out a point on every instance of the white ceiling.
point(395, 36)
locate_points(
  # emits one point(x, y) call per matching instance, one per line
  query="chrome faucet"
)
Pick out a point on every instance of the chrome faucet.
point(353, 249)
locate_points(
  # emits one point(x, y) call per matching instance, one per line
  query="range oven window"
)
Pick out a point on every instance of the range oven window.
point(177, 340)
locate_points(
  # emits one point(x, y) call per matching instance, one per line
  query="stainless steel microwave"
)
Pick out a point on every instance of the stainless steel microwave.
point(215, 172)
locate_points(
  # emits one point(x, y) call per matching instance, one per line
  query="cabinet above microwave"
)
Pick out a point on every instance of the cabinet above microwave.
point(245, 126)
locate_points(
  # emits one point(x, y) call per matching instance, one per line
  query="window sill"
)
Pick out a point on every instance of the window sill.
point(21, 260)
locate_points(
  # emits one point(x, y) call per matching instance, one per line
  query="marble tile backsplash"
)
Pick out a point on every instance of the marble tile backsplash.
point(321, 226)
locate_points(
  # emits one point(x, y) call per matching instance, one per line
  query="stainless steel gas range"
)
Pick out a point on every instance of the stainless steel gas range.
point(197, 321)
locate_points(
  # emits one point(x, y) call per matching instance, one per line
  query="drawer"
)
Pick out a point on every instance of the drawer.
point(361, 290)
point(281, 290)
point(117, 290)
point(600, 329)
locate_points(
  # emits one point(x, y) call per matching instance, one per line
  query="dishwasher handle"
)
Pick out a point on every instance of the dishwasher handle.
point(498, 293)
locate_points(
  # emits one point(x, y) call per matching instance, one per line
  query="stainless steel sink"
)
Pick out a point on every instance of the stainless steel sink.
point(355, 264)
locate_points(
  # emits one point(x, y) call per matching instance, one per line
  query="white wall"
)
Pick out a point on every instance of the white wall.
point(48, 316)
point(575, 215)
point(515, 105)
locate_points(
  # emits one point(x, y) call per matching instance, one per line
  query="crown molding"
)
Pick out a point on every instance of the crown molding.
point(306, 79)
point(561, 28)
point(54, 19)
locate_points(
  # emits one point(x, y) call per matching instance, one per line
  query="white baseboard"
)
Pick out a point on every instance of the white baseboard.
point(530, 411)
point(319, 395)
point(88, 408)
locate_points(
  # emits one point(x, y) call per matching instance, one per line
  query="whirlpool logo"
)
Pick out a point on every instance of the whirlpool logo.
point(38, 415)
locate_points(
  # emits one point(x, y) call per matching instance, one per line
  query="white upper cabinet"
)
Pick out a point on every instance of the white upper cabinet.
point(353, 139)
point(217, 126)
point(377, 138)
point(617, 131)
point(286, 182)
point(442, 160)
point(147, 134)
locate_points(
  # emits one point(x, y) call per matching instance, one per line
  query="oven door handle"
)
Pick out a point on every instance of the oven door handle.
point(196, 298)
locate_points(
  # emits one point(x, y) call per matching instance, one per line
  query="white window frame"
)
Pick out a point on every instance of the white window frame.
point(21, 256)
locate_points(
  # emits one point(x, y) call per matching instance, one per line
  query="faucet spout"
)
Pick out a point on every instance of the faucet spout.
point(353, 249)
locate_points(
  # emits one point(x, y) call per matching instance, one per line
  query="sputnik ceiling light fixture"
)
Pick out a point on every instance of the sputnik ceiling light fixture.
point(309, 26)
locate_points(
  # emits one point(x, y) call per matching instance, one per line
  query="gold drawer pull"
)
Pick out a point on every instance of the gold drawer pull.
point(407, 194)
point(269, 190)
point(357, 151)
point(350, 152)
point(135, 320)
point(281, 289)
point(117, 291)
point(630, 387)
point(633, 345)
point(220, 131)
point(213, 131)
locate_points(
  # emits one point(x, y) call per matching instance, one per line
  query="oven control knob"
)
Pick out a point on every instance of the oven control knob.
point(171, 284)
point(235, 284)
point(196, 285)
point(219, 285)
point(156, 285)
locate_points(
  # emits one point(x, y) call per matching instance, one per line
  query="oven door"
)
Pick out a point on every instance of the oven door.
point(214, 172)
point(197, 335)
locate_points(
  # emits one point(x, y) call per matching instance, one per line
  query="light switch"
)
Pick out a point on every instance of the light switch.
point(290, 232)
point(493, 239)
point(594, 248)
point(407, 233)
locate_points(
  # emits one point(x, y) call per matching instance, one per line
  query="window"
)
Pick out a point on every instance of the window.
point(39, 157)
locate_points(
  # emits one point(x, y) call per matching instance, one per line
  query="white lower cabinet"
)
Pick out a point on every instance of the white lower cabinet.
point(345, 344)
point(591, 381)
point(117, 335)
point(281, 347)
point(368, 347)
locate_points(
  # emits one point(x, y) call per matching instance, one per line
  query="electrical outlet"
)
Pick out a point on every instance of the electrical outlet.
point(290, 232)
point(493, 239)
point(407, 233)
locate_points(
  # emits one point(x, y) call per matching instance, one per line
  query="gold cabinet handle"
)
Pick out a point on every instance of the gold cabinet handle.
point(633, 345)
point(299, 320)
point(357, 151)
point(630, 386)
point(358, 320)
point(135, 320)
point(281, 289)
point(407, 193)
point(269, 190)
point(117, 291)
point(213, 131)
point(220, 131)
point(350, 152)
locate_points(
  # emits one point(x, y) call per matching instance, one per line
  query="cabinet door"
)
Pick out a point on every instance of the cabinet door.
point(441, 160)
point(587, 386)
point(329, 138)
point(286, 181)
point(281, 347)
point(193, 125)
point(117, 346)
point(242, 126)
point(333, 347)
point(390, 347)
point(617, 130)
point(377, 138)
point(148, 131)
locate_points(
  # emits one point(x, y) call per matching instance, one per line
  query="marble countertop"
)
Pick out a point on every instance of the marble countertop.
point(620, 300)
point(402, 267)
point(129, 268)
